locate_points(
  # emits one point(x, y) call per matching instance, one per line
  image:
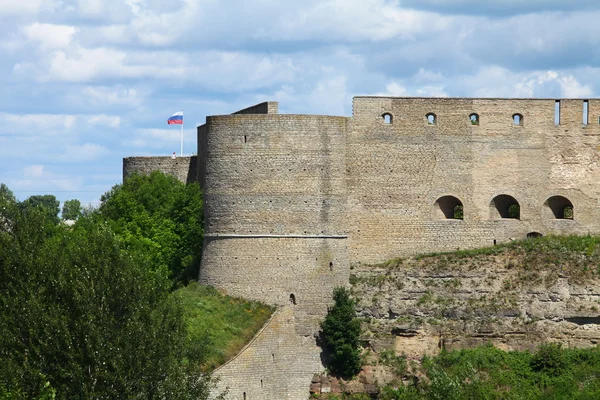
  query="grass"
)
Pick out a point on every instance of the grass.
point(486, 372)
point(219, 326)
point(577, 257)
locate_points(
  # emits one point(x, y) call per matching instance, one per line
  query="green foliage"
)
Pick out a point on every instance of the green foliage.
point(160, 217)
point(219, 326)
point(341, 331)
point(71, 210)
point(78, 311)
point(6, 195)
point(489, 373)
point(46, 202)
point(398, 363)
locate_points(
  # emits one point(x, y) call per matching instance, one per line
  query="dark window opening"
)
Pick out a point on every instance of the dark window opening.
point(331, 266)
point(292, 299)
point(561, 207)
point(586, 111)
point(387, 118)
point(273, 356)
point(557, 112)
point(261, 384)
point(245, 139)
point(517, 119)
point(474, 119)
point(494, 242)
point(448, 207)
point(431, 119)
point(505, 206)
point(534, 235)
point(244, 395)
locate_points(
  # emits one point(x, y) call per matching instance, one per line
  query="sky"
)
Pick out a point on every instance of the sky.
point(84, 83)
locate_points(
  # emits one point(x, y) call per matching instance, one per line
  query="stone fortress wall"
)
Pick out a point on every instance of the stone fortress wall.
point(398, 174)
point(293, 201)
point(183, 168)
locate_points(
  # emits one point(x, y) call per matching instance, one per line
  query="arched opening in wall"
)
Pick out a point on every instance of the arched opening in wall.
point(561, 207)
point(387, 118)
point(448, 207)
point(474, 118)
point(292, 299)
point(431, 119)
point(331, 265)
point(534, 235)
point(517, 119)
point(505, 206)
point(244, 395)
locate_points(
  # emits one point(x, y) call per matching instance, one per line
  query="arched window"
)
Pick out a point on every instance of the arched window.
point(331, 265)
point(387, 118)
point(474, 118)
point(448, 207)
point(431, 119)
point(505, 206)
point(517, 119)
point(292, 299)
point(561, 207)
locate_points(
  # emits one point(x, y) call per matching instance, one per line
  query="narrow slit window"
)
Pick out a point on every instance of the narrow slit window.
point(517, 119)
point(245, 139)
point(586, 110)
point(557, 112)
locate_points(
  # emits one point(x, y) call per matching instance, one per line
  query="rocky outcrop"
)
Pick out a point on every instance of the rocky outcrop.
point(511, 298)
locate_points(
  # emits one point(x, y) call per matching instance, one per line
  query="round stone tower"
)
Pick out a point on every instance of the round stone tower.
point(275, 196)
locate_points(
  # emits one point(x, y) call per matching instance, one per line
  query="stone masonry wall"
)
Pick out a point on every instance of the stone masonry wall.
point(183, 168)
point(397, 171)
point(277, 364)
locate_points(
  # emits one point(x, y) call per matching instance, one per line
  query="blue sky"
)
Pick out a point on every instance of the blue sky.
point(85, 83)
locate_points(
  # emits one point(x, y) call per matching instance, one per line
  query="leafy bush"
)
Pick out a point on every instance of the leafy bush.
point(341, 330)
point(489, 373)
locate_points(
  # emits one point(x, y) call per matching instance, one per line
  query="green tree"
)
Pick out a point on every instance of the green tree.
point(6, 195)
point(162, 218)
point(71, 210)
point(81, 316)
point(46, 202)
point(341, 331)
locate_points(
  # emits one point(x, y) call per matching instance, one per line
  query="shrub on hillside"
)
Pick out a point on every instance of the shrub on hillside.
point(341, 331)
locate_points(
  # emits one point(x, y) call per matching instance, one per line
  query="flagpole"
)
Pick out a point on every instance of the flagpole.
point(181, 133)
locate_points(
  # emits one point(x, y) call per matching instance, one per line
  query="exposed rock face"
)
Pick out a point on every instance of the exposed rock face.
point(513, 299)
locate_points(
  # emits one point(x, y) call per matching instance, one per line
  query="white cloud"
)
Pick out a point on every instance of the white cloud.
point(103, 95)
point(83, 152)
point(104, 120)
point(36, 123)
point(50, 36)
point(33, 171)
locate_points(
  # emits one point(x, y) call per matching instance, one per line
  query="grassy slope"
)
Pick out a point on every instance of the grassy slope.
point(577, 257)
point(219, 324)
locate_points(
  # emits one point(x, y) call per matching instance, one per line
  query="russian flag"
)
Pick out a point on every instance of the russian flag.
point(176, 118)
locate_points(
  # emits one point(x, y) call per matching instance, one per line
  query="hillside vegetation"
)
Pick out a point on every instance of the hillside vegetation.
point(219, 326)
point(98, 310)
point(481, 323)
